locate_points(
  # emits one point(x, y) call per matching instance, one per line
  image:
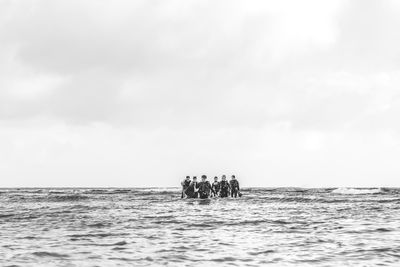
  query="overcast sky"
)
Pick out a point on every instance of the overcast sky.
point(142, 93)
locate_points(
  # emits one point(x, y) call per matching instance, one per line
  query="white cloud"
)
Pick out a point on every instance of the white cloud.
point(287, 91)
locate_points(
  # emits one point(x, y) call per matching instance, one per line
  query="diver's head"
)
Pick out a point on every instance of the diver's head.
point(215, 178)
point(194, 179)
point(188, 177)
point(224, 177)
point(233, 177)
point(203, 178)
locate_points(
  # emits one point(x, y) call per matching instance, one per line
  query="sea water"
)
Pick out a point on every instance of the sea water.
point(152, 227)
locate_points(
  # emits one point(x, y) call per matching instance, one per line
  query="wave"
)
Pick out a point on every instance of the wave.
point(6, 215)
point(159, 189)
point(49, 254)
point(120, 243)
point(102, 234)
point(357, 191)
point(63, 191)
point(107, 191)
point(61, 198)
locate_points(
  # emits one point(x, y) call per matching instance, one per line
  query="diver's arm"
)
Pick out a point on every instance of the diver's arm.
point(185, 191)
point(212, 189)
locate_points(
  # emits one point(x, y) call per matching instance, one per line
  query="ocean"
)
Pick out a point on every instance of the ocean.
point(155, 227)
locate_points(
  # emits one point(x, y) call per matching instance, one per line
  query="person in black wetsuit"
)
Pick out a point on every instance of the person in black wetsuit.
point(215, 186)
point(234, 186)
point(205, 188)
point(191, 191)
point(224, 187)
point(185, 184)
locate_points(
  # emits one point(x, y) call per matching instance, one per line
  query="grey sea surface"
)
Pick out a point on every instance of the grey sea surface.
point(154, 226)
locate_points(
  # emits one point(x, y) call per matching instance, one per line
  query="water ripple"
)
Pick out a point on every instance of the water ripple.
point(153, 226)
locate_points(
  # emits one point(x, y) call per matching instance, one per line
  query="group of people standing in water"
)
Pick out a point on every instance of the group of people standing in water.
point(191, 188)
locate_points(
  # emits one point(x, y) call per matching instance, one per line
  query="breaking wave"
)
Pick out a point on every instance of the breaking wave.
point(357, 191)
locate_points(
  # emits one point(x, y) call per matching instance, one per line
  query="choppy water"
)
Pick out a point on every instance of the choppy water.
point(142, 227)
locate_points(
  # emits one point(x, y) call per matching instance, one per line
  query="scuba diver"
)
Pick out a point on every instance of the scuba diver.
point(191, 191)
point(234, 187)
point(215, 186)
point(185, 184)
point(224, 187)
point(205, 188)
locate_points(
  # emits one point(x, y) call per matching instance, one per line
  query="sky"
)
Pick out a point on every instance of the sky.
point(142, 93)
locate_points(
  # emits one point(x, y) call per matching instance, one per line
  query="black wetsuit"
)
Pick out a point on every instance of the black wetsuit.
point(215, 186)
point(185, 184)
point(190, 191)
point(205, 189)
point(224, 188)
point(234, 188)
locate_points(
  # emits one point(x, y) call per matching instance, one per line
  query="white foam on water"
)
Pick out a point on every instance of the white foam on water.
point(356, 191)
point(159, 189)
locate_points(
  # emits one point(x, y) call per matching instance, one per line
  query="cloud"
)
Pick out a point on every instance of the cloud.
point(286, 89)
point(117, 61)
point(39, 154)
